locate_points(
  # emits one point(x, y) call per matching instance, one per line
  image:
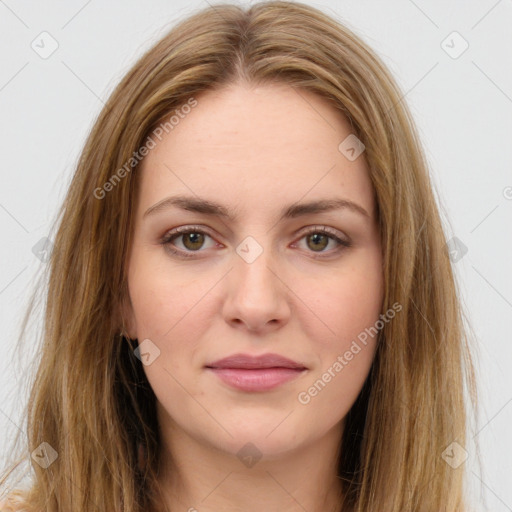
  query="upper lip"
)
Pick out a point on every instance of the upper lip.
point(249, 362)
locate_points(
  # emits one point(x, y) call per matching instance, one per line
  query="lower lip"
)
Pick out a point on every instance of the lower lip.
point(262, 379)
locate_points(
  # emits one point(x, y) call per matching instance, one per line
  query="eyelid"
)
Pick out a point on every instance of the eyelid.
point(323, 229)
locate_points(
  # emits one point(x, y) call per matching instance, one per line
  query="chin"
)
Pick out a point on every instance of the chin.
point(270, 435)
point(258, 447)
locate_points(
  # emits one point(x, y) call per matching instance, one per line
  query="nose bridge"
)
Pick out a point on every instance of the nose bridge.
point(253, 265)
point(256, 295)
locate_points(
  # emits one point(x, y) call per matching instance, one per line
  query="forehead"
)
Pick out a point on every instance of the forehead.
point(253, 146)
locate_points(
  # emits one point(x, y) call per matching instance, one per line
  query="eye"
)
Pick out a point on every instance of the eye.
point(193, 239)
point(318, 237)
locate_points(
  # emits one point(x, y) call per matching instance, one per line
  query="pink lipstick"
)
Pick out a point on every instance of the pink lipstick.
point(256, 373)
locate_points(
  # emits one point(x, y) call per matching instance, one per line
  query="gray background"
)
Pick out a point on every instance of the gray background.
point(462, 105)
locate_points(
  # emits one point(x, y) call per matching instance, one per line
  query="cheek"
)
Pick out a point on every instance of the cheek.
point(343, 334)
point(168, 312)
point(165, 301)
point(327, 397)
point(344, 363)
point(341, 303)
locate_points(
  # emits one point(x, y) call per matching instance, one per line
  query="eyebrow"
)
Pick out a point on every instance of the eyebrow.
point(205, 207)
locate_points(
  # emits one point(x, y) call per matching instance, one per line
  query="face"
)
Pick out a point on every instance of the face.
point(302, 285)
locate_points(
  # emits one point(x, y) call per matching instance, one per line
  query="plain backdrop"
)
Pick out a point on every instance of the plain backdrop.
point(453, 63)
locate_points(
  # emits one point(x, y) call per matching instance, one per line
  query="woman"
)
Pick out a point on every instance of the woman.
point(250, 302)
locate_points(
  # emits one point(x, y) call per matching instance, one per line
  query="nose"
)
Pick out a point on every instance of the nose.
point(257, 296)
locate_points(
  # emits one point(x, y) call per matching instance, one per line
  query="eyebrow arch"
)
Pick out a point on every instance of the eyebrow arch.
point(205, 207)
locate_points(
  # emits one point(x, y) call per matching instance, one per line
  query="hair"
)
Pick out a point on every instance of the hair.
point(90, 399)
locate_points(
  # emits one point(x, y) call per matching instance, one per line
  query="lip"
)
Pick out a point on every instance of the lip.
point(256, 373)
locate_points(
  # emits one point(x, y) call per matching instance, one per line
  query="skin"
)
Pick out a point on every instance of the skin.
point(255, 150)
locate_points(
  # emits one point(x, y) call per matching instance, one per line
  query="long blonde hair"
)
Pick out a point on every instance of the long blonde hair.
point(90, 400)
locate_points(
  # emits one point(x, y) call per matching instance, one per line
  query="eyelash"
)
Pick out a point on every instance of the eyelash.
point(169, 237)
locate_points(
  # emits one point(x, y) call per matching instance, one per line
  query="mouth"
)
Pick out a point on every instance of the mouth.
point(261, 373)
point(257, 379)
